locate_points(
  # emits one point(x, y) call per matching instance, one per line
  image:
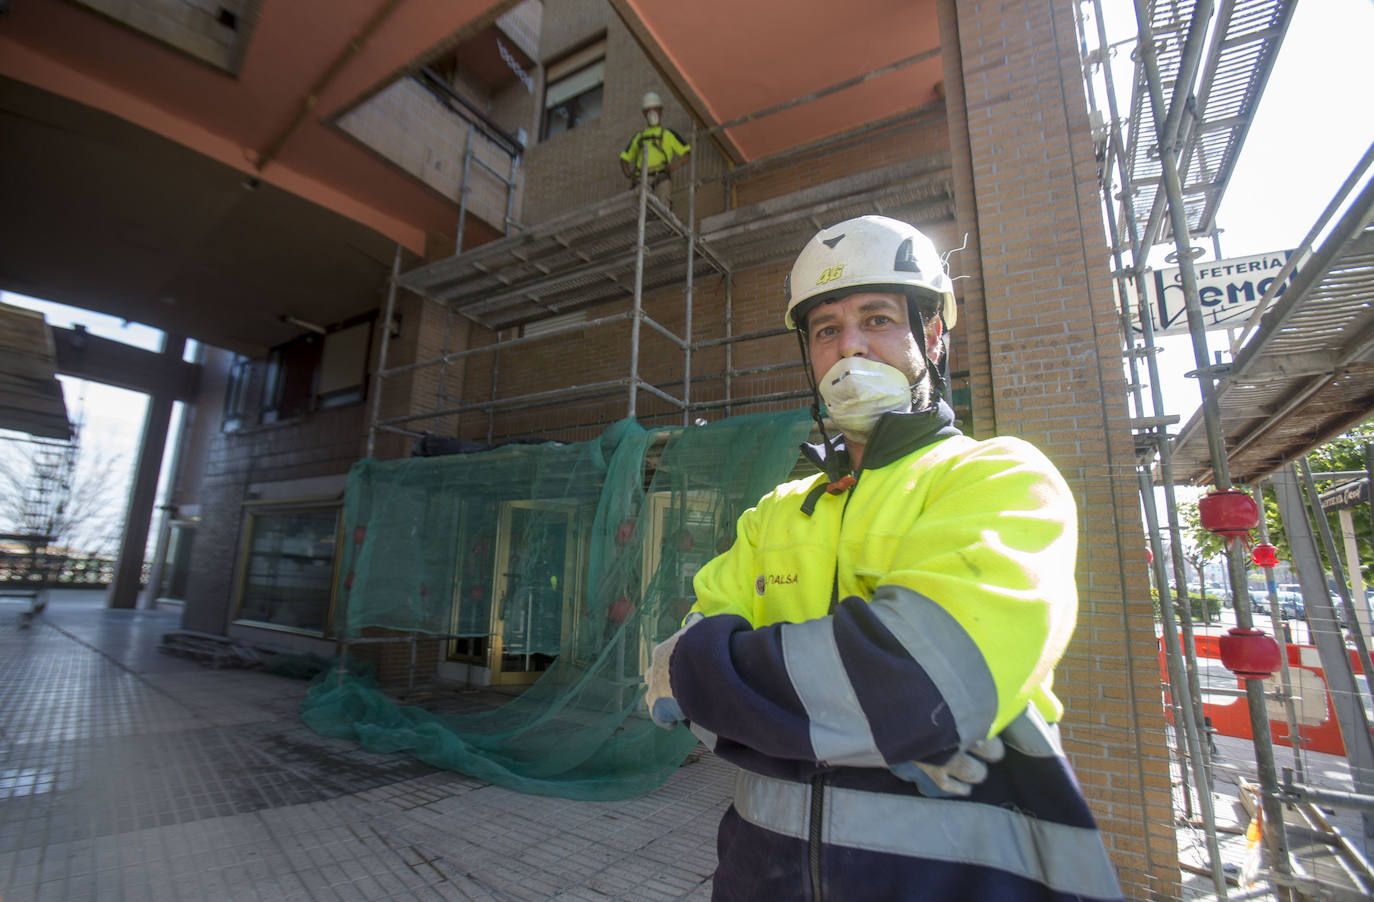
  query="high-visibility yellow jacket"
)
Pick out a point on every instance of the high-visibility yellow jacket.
point(659, 144)
point(919, 611)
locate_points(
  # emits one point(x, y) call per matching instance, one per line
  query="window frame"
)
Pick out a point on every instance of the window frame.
point(587, 61)
point(235, 410)
point(253, 511)
point(312, 348)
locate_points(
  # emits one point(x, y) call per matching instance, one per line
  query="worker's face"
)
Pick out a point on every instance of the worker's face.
point(653, 115)
point(869, 324)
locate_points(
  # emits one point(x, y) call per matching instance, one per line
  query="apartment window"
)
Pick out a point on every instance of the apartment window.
point(236, 393)
point(317, 372)
point(287, 572)
point(343, 365)
point(291, 372)
point(573, 88)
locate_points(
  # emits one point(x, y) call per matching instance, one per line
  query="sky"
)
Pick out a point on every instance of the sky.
point(1311, 128)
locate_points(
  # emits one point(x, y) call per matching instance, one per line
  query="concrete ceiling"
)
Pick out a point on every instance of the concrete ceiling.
point(124, 161)
point(123, 167)
point(107, 216)
point(730, 59)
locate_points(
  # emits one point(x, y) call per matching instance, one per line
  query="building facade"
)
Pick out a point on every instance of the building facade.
point(504, 124)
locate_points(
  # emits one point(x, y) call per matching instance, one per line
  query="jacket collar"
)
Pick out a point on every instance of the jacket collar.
point(895, 436)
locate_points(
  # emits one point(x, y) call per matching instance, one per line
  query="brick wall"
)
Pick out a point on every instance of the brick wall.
point(406, 124)
point(582, 165)
point(322, 444)
point(1051, 369)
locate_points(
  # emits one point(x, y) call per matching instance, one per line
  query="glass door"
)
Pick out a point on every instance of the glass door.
point(538, 569)
point(681, 538)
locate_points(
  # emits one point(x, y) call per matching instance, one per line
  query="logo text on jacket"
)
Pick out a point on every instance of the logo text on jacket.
point(773, 579)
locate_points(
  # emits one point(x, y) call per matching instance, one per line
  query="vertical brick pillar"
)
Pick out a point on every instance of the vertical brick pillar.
point(1051, 370)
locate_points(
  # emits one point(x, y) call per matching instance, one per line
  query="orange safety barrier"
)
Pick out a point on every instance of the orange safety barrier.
point(1230, 716)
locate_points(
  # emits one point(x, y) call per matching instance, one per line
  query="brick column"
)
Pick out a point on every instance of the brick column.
point(1053, 376)
point(138, 517)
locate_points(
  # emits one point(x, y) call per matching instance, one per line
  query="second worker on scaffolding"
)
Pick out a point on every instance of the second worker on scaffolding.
point(660, 147)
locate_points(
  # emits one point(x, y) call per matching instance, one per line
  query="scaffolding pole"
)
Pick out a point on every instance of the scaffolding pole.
point(1180, 656)
point(638, 306)
point(381, 353)
point(1337, 574)
point(691, 261)
point(1295, 738)
point(1163, 444)
point(463, 192)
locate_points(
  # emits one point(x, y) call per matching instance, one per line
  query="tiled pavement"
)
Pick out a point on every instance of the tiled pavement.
point(130, 775)
point(126, 774)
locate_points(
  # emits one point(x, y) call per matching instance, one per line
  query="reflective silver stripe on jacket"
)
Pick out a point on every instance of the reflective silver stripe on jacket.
point(839, 729)
point(1067, 859)
point(947, 653)
point(840, 733)
point(1031, 735)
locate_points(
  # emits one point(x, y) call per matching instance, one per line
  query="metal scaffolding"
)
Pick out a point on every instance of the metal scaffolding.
point(1163, 169)
point(628, 247)
point(1296, 377)
point(631, 246)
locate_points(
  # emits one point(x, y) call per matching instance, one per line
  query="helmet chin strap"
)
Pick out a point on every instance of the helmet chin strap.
point(939, 388)
point(832, 464)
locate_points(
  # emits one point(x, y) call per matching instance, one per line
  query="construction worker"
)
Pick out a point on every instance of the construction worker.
point(876, 649)
point(664, 149)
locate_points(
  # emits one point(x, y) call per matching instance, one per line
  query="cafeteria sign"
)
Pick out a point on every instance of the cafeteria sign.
point(1352, 494)
point(1229, 291)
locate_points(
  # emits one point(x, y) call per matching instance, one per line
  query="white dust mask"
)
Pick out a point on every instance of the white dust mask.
point(653, 117)
point(857, 391)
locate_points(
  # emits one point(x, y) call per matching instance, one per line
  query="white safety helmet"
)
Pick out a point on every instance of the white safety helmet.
point(651, 102)
point(869, 253)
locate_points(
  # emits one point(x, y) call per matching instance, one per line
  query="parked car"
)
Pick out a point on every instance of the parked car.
point(1291, 604)
point(1339, 607)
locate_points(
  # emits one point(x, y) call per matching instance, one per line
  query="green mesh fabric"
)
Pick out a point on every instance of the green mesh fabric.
point(558, 563)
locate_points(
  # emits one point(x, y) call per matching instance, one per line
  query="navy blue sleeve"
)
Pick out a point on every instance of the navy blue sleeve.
point(841, 689)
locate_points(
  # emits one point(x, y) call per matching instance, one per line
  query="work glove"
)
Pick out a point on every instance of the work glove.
point(958, 775)
point(663, 708)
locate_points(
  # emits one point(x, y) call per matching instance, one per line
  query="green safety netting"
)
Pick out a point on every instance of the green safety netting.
point(560, 564)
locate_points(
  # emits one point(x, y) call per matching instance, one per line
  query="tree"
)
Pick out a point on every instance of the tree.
point(1346, 452)
point(63, 490)
point(1343, 453)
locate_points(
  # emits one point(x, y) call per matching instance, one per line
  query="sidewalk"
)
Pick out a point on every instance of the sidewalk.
point(128, 774)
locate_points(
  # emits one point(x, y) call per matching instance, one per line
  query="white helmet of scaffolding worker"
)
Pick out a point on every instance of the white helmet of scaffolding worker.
point(651, 102)
point(869, 253)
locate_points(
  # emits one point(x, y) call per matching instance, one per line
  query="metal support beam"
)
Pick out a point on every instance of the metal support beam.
point(1182, 661)
point(1334, 559)
point(691, 260)
point(637, 309)
point(1326, 635)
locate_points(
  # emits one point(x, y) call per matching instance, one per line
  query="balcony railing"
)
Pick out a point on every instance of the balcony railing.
point(20, 570)
point(442, 138)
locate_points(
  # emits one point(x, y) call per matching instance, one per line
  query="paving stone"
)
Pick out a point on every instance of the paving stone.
point(126, 775)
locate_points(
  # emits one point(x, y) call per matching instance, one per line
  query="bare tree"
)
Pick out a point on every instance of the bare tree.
point(64, 490)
